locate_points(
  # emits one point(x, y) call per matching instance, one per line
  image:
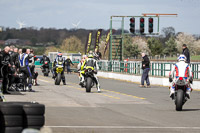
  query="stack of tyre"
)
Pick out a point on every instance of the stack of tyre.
point(16, 116)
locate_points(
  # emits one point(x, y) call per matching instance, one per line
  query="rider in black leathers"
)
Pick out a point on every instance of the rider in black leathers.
point(42, 61)
point(59, 58)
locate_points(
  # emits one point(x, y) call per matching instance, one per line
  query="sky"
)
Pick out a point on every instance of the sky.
point(95, 14)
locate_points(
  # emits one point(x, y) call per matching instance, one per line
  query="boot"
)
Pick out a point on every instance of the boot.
point(98, 88)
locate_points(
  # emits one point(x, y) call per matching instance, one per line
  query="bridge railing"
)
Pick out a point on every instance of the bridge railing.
point(134, 67)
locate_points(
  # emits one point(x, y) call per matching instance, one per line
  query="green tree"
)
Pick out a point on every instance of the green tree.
point(72, 44)
point(155, 46)
point(130, 49)
point(171, 47)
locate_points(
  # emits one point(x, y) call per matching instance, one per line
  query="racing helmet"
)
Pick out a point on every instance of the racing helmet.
point(59, 54)
point(182, 58)
point(90, 55)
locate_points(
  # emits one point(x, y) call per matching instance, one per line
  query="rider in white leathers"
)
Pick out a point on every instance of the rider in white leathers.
point(182, 69)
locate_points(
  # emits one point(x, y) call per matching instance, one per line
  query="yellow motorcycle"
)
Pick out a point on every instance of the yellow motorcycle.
point(59, 70)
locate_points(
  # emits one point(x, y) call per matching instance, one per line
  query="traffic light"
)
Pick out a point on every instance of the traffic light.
point(141, 25)
point(132, 25)
point(150, 25)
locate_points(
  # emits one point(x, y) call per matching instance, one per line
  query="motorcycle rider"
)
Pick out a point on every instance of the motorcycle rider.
point(58, 59)
point(42, 61)
point(182, 69)
point(24, 67)
point(90, 62)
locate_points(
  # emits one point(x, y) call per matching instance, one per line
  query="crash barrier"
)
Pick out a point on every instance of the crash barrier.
point(16, 116)
point(134, 67)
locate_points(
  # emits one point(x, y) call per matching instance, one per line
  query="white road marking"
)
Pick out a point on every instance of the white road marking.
point(123, 127)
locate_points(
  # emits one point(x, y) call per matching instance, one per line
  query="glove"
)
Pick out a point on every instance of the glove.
point(191, 80)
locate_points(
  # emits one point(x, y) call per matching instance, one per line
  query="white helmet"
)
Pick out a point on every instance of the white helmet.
point(182, 58)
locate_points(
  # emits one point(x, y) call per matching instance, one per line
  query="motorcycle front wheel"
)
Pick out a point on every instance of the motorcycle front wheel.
point(58, 79)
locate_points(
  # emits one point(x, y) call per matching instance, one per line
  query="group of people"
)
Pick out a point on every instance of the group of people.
point(15, 64)
point(181, 69)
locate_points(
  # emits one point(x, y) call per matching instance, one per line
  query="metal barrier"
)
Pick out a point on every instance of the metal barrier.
point(134, 67)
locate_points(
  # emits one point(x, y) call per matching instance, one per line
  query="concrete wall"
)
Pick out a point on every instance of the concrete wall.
point(137, 79)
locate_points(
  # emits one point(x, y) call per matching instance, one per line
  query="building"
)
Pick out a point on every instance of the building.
point(17, 42)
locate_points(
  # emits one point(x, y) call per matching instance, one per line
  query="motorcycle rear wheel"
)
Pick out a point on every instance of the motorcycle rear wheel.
point(179, 100)
point(88, 84)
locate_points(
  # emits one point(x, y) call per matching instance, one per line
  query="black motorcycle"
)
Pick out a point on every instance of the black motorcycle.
point(180, 95)
point(45, 68)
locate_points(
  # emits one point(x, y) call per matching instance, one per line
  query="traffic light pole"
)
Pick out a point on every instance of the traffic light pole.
point(121, 45)
point(110, 48)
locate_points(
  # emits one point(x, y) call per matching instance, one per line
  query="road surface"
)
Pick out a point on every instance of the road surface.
point(121, 107)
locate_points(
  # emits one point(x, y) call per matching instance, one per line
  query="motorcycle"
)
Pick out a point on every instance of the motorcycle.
point(89, 81)
point(59, 70)
point(180, 95)
point(45, 68)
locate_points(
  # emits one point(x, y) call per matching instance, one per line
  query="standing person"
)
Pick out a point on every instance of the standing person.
point(20, 51)
point(2, 98)
point(6, 62)
point(68, 63)
point(32, 59)
point(24, 67)
point(97, 54)
point(146, 68)
point(186, 52)
point(14, 66)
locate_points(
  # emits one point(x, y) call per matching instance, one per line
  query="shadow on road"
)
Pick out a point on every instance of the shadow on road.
point(191, 110)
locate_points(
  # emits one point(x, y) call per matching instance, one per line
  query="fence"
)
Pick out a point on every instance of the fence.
point(134, 67)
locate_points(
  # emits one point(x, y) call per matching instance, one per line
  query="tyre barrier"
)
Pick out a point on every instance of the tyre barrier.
point(16, 116)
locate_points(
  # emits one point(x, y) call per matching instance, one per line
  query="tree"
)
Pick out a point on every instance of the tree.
point(155, 46)
point(130, 49)
point(141, 43)
point(171, 47)
point(183, 38)
point(168, 32)
point(72, 44)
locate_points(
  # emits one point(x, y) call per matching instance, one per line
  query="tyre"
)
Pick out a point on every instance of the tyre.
point(12, 130)
point(10, 108)
point(34, 109)
point(179, 100)
point(34, 121)
point(58, 79)
point(11, 121)
point(35, 127)
point(88, 84)
point(47, 72)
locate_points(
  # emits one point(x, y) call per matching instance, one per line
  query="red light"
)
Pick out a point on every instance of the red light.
point(150, 20)
point(142, 20)
point(132, 20)
point(180, 78)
